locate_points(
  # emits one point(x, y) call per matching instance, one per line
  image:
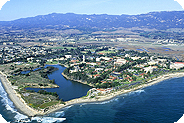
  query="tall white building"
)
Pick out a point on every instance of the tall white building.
point(84, 58)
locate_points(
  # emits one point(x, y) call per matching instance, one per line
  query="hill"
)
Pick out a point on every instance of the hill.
point(158, 20)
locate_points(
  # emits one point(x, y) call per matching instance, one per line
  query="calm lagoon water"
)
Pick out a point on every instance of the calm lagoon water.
point(160, 103)
point(67, 89)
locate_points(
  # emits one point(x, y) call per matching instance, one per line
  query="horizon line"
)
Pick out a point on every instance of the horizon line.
point(88, 14)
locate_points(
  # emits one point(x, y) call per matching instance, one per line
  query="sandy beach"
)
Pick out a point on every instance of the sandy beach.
point(16, 98)
point(22, 106)
point(117, 93)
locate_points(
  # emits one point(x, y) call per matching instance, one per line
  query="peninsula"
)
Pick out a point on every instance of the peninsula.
point(23, 106)
point(109, 70)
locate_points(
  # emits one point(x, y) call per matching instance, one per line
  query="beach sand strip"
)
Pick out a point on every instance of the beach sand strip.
point(20, 104)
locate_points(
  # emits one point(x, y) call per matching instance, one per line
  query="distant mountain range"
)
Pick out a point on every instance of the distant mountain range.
point(158, 20)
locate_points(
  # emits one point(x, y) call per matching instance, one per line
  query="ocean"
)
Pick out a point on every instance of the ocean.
point(159, 103)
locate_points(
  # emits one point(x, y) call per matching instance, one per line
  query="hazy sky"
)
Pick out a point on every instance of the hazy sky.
point(15, 9)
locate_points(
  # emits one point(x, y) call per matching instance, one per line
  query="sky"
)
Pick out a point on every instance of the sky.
point(15, 9)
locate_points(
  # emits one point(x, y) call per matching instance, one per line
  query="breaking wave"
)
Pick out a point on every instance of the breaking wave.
point(18, 117)
point(105, 102)
point(137, 92)
point(58, 114)
point(48, 119)
point(9, 104)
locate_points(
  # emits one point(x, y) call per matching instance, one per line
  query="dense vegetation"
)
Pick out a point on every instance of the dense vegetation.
point(36, 79)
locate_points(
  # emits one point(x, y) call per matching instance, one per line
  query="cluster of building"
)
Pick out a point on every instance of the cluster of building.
point(177, 65)
point(169, 42)
point(104, 64)
point(139, 70)
point(8, 54)
point(97, 92)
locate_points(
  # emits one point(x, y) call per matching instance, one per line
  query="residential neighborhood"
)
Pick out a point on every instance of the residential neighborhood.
point(121, 68)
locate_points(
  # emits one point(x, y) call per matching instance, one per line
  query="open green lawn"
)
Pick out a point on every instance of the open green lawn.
point(7, 68)
point(36, 100)
point(139, 79)
point(92, 50)
point(34, 77)
point(107, 52)
point(48, 104)
point(83, 51)
point(64, 47)
point(52, 63)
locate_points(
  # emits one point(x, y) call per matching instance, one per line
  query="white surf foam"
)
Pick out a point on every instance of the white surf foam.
point(52, 120)
point(18, 116)
point(137, 92)
point(48, 119)
point(57, 114)
point(83, 104)
point(68, 107)
point(9, 104)
point(105, 102)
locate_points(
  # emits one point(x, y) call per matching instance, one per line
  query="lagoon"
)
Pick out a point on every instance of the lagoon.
point(67, 89)
point(159, 103)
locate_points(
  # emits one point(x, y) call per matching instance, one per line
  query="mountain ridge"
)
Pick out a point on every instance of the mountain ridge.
point(159, 20)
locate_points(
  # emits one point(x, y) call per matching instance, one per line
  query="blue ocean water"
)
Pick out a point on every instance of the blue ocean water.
point(160, 103)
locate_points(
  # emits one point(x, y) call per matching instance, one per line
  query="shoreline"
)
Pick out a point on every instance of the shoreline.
point(117, 93)
point(16, 98)
point(23, 107)
point(85, 83)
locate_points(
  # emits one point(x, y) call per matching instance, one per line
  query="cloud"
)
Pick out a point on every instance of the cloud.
point(2, 2)
point(181, 2)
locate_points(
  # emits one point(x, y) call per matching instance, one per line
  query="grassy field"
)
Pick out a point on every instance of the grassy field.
point(12, 67)
point(54, 102)
point(63, 47)
point(39, 101)
point(105, 52)
point(32, 79)
point(52, 63)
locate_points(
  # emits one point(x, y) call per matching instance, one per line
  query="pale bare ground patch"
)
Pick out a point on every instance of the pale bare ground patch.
point(30, 43)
